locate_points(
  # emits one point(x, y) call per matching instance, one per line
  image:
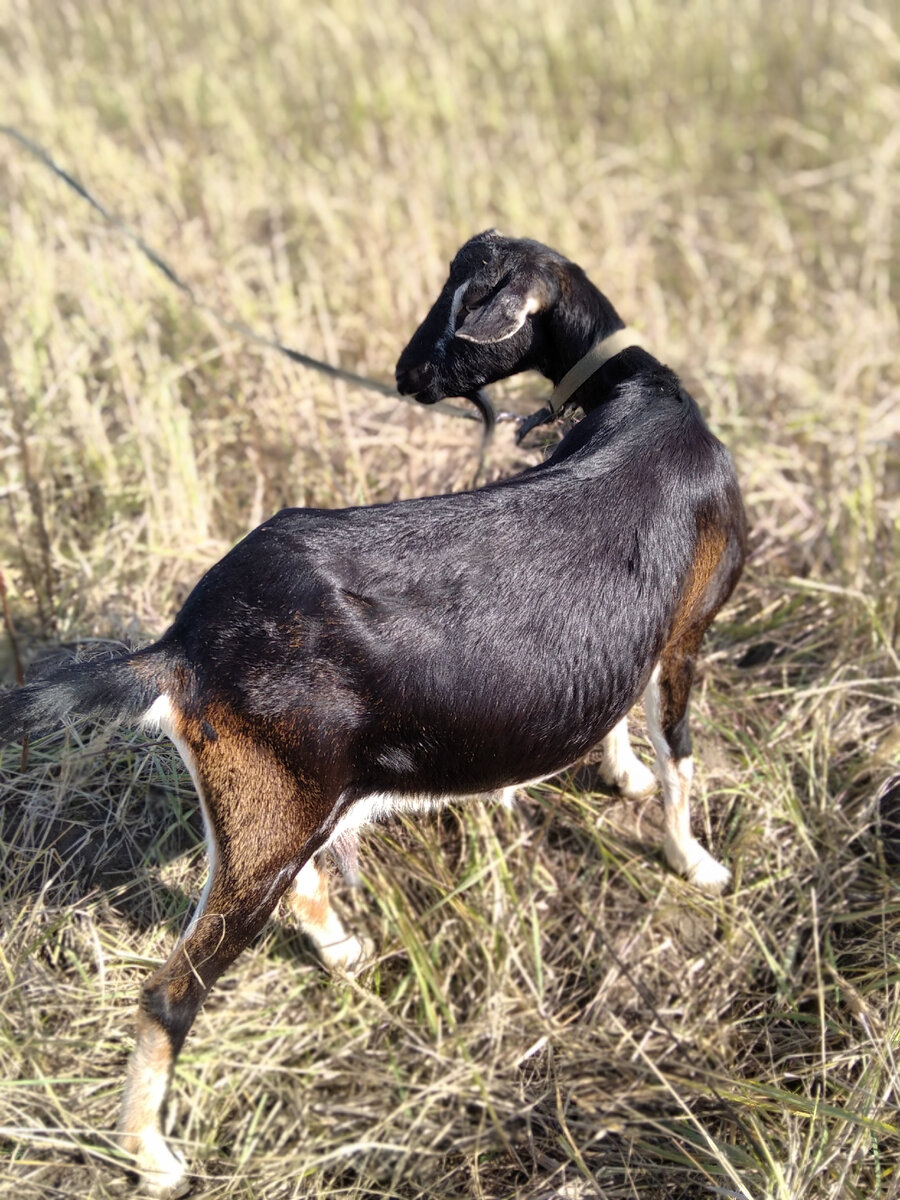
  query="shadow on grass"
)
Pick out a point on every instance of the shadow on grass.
point(110, 817)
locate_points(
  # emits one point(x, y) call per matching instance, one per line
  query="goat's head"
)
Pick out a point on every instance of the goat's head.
point(486, 323)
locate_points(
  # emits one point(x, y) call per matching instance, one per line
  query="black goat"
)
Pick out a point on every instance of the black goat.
point(337, 665)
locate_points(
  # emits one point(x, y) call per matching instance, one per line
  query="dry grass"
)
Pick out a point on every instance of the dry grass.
point(552, 1014)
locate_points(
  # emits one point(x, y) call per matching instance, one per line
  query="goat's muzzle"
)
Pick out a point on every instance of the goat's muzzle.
point(411, 381)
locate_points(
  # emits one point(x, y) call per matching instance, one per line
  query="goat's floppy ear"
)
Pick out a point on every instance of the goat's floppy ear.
point(504, 312)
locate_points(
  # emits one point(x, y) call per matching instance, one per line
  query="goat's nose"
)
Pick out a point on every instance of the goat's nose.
point(413, 379)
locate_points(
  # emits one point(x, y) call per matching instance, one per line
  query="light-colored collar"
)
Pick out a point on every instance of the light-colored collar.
point(621, 340)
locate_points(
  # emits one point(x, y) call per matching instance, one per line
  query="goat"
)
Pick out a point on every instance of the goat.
point(337, 665)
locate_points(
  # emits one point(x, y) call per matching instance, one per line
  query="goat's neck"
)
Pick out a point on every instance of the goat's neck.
point(577, 323)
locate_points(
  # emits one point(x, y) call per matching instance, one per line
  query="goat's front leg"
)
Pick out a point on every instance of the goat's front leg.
point(621, 768)
point(666, 704)
point(310, 905)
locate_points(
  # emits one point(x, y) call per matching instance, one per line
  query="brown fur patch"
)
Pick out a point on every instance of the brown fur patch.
point(261, 809)
point(311, 909)
point(692, 613)
point(149, 1071)
point(699, 603)
point(261, 815)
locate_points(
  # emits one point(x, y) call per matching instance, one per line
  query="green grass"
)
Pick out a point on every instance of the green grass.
point(551, 1015)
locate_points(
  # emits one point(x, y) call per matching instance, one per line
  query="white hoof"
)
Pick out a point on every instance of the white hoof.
point(710, 876)
point(698, 866)
point(151, 1186)
point(633, 780)
point(637, 782)
point(348, 955)
point(162, 1173)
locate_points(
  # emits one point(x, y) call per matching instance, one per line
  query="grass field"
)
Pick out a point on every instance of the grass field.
point(551, 1015)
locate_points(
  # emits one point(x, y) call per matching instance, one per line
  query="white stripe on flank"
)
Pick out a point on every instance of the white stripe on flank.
point(161, 715)
point(380, 805)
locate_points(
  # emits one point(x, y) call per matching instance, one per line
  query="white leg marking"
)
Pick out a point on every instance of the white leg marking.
point(621, 768)
point(338, 949)
point(682, 850)
point(162, 1172)
point(149, 1072)
point(161, 715)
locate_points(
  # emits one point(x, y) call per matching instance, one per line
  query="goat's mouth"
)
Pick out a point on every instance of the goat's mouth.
point(417, 382)
point(421, 384)
point(426, 395)
point(425, 384)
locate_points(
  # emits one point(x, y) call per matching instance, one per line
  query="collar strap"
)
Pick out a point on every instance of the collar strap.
point(621, 340)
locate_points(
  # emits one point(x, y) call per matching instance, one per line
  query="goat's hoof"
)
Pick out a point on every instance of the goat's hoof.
point(636, 782)
point(162, 1174)
point(347, 956)
point(151, 1186)
point(712, 877)
point(633, 780)
point(699, 867)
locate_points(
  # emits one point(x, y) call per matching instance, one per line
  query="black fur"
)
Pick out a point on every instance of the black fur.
point(458, 643)
point(118, 688)
point(461, 643)
point(574, 315)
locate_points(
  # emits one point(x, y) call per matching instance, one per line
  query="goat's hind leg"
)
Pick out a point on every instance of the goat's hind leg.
point(666, 704)
point(256, 838)
point(170, 1000)
point(309, 903)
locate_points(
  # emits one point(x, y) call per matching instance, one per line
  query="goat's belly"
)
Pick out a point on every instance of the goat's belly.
point(462, 759)
point(372, 807)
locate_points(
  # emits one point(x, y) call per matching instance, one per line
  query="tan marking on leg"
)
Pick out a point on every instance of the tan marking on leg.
point(309, 903)
point(147, 1084)
point(259, 816)
point(309, 899)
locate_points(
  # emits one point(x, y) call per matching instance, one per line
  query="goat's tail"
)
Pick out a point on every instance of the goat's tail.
point(117, 688)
